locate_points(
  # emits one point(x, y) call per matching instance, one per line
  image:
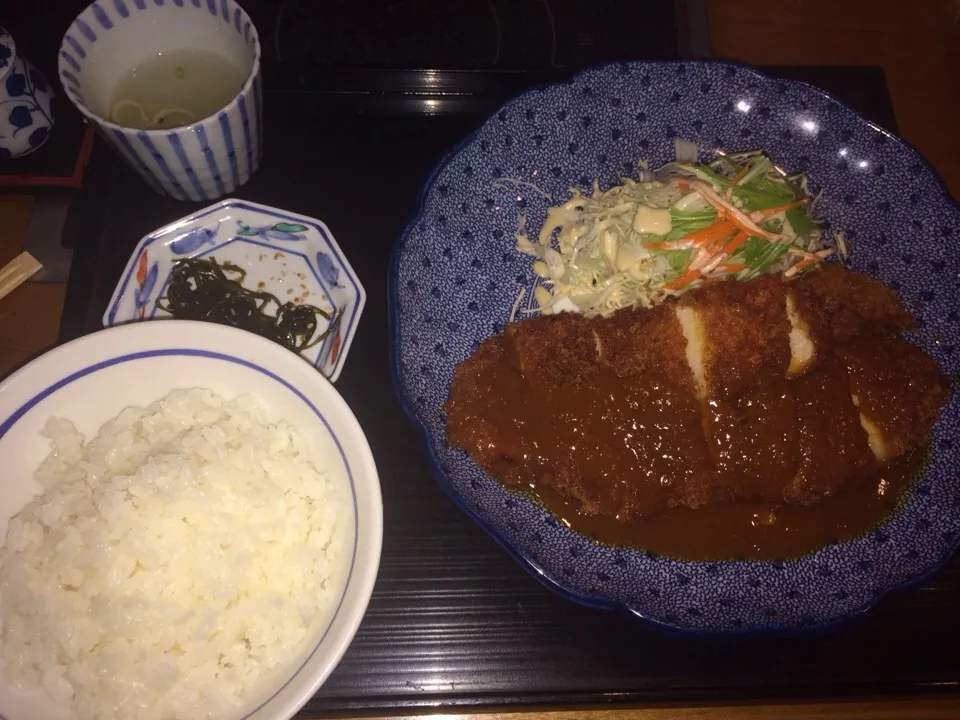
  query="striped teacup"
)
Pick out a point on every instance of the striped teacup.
point(202, 161)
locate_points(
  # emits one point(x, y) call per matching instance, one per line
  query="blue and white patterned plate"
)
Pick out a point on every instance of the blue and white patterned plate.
point(455, 277)
point(292, 256)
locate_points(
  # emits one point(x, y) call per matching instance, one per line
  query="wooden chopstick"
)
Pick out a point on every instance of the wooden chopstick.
point(16, 272)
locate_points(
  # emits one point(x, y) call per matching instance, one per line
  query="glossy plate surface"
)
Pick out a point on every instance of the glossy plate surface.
point(455, 277)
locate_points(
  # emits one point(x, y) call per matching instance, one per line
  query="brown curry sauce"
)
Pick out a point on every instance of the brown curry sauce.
point(601, 421)
point(743, 530)
point(576, 425)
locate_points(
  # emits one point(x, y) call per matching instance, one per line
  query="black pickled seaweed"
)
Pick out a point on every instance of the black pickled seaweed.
point(201, 289)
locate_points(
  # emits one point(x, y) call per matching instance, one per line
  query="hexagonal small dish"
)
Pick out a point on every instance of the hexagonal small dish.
point(291, 256)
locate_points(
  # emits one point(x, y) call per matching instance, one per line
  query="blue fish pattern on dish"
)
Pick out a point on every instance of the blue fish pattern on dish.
point(194, 239)
point(142, 294)
point(277, 231)
point(328, 271)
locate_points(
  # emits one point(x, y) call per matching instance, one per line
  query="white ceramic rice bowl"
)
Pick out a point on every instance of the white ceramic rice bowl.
point(90, 380)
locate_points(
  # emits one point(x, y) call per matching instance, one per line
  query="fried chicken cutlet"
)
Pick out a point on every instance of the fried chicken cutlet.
point(783, 391)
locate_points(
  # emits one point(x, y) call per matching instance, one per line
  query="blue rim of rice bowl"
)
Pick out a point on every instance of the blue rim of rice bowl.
point(90, 369)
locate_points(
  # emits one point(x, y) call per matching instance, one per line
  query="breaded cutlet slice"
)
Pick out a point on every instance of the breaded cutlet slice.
point(752, 440)
point(470, 406)
point(803, 348)
point(833, 448)
point(832, 304)
point(735, 332)
point(556, 349)
point(624, 374)
point(898, 390)
point(646, 352)
point(492, 415)
point(896, 387)
point(840, 305)
point(634, 342)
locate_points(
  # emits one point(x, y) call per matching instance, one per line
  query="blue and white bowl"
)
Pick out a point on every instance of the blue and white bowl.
point(92, 379)
point(293, 257)
point(202, 161)
point(455, 277)
point(27, 102)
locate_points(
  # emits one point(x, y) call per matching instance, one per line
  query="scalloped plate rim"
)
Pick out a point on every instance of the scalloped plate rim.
point(532, 567)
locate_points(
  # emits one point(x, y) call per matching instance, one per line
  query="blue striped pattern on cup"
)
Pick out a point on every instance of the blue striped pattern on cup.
point(203, 161)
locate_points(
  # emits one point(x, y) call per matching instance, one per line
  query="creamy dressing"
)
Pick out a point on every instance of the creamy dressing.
point(653, 221)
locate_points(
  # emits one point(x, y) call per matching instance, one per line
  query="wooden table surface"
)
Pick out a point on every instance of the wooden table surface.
point(917, 45)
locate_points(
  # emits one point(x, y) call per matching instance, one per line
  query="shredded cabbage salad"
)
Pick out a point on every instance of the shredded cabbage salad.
point(685, 225)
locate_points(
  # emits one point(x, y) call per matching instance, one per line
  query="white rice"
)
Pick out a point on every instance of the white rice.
point(173, 564)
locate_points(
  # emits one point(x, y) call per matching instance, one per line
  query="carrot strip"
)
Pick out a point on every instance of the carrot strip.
point(739, 176)
point(712, 265)
point(733, 267)
point(739, 239)
point(681, 280)
point(700, 261)
point(805, 263)
point(769, 212)
point(736, 216)
point(735, 179)
point(717, 232)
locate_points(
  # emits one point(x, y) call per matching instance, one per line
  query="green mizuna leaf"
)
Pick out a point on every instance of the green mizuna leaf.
point(684, 222)
point(677, 259)
point(800, 221)
point(758, 253)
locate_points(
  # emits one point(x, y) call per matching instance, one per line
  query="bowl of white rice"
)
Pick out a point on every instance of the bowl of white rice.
point(190, 527)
